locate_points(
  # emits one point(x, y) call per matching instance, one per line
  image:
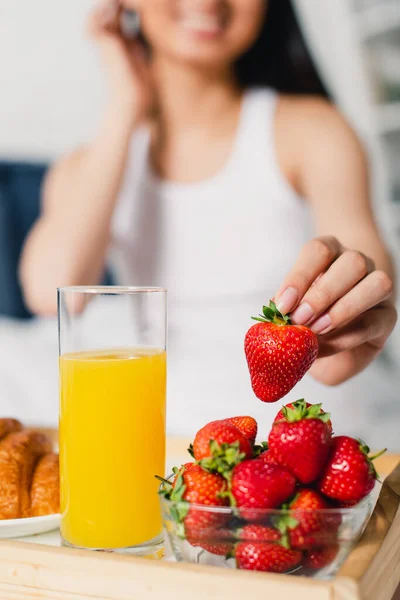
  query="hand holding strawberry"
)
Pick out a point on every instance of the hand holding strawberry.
point(278, 354)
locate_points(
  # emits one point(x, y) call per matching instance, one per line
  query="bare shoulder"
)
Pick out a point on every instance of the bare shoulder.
point(313, 137)
point(314, 122)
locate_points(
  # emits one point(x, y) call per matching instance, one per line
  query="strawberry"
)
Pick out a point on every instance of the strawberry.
point(199, 487)
point(320, 557)
point(281, 414)
point(260, 533)
point(222, 432)
point(262, 551)
point(208, 531)
point(278, 353)
point(247, 426)
point(349, 474)
point(303, 525)
point(257, 484)
point(302, 441)
point(214, 547)
point(193, 485)
point(268, 457)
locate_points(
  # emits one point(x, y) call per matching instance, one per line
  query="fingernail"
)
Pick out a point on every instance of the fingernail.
point(287, 300)
point(322, 324)
point(302, 314)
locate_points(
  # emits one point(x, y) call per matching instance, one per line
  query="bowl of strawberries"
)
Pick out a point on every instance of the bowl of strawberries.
point(294, 504)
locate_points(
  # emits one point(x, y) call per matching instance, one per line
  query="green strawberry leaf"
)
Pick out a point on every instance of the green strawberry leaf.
point(268, 313)
point(285, 522)
point(231, 553)
point(300, 411)
point(228, 494)
point(313, 411)
point(363, 446)
point(166, 487)
point(224, 457)
point(259, 449)
point(366, 450)
point(271, 314)
point(191, 450)
point(180, 531)
point(179, 488)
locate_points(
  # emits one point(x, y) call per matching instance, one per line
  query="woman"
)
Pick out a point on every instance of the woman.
point(216, 174)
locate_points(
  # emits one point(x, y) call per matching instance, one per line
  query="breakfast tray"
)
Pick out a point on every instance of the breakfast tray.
point(371, 572)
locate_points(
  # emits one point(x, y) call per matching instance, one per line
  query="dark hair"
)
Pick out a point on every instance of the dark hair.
point(280, 58)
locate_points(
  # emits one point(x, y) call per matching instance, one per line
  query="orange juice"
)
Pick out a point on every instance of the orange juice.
point(112, 443)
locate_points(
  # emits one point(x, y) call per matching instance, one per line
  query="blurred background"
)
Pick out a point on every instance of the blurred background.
point(52, 94)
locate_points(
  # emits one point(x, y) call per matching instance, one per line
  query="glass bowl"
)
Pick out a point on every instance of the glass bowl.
point(312, 543)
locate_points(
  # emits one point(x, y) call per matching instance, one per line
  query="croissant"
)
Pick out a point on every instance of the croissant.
point(22, 453)
point(45, 490)
point(9, 426)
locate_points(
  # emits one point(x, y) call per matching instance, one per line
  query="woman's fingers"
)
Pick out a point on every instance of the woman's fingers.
point(341, 277)
point(369, 292)
point(373, 327)
point(315, 258)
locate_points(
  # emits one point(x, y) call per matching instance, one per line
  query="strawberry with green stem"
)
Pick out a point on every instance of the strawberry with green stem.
point(281, 415)
point(191, 492)
point(222, 432)
point(278, 353)
point(308, 523)
point(301, 441)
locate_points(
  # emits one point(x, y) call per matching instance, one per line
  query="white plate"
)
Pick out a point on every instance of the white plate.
point(13, 528)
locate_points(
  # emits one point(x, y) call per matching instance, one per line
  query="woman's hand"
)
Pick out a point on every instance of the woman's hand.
point(340, 295)
point(125, 62)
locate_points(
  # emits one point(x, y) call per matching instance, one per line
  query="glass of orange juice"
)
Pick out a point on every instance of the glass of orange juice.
point(112, 363)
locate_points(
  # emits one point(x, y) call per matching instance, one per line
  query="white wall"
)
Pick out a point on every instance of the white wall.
point(50, 80)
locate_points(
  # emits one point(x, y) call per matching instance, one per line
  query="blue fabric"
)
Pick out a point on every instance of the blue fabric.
point(20, 186)
point(20, 192)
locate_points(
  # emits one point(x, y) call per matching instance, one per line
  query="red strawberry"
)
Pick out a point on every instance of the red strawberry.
point(260, 533)
point(257, 484)
point(208, 531)
point(278, 354)
point(200, 487)
point(214, 547)
point(268, 457)
point(193, 485)
point(302, 441)
point(262, 551)
point(221, 432)
point(247, 426)
point(320, 557)
point(303, 525)
point(281, 414)
point(349, 474)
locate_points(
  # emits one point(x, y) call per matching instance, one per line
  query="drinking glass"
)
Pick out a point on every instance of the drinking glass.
point(112, 364)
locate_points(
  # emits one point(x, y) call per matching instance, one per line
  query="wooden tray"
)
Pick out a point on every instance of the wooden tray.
point(372, 571)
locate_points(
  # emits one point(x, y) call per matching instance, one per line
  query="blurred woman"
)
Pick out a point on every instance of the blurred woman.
point(220, 171)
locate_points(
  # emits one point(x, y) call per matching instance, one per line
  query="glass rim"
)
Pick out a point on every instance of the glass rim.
point(209, 508)
point(111, 289)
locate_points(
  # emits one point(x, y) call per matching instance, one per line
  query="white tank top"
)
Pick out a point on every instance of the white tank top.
point(221, 247)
